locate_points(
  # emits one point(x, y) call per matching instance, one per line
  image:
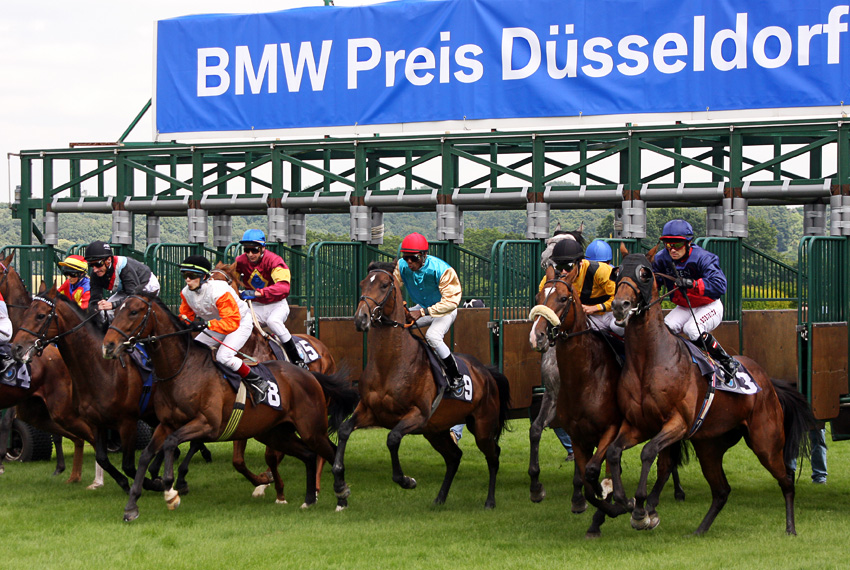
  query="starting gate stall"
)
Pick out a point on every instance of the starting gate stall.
point(34, 263)
point(822, 314)
point(728, 250)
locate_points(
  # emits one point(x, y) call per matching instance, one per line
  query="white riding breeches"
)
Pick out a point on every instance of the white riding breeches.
point(704, 319)
point(226, 355)
point(274, 315)
point(605, 322)
point(438, 327)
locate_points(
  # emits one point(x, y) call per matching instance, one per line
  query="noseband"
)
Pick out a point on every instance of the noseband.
point(130, 339)
point(558, 333)
point(41, 340)
point(377, 315)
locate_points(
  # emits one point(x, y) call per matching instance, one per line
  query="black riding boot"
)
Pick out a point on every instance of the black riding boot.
point(726, 362)
point(259, 386)
point(293, 354)
point(453, 375)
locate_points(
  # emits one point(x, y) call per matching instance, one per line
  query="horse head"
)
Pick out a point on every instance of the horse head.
point(557, 312)
point(636, 287)
point(133, 320)
point(377, 303)
point(225, 272)
point(41, 323)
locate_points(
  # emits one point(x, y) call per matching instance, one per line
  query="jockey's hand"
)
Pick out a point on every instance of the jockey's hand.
point(684, 283)
point(103, 305)
point(248, 295)
point(590, 309)
point(198, 324)
point(415, 314)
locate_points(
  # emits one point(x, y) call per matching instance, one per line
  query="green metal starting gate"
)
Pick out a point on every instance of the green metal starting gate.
point(34, 263)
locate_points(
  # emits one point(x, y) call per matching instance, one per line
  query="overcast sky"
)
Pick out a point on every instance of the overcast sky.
point(80, 71)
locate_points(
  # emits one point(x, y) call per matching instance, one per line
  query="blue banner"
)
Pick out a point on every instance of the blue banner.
point(470, 60)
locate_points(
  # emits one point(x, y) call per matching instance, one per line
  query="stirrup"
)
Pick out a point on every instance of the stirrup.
point(455, 387)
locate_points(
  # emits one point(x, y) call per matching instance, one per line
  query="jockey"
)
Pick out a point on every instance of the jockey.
point(593, 283)
point(77, 285)
point(599, 250)
point(121, 275)
point(267, 273)
point(7, 362)
point(435, 288)
point(699, 283)
point(212, 308)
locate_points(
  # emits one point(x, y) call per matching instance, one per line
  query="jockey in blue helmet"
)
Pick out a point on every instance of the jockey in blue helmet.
point(698, 282)
point(599, 250)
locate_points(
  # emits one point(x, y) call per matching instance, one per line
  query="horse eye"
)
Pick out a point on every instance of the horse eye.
point(40, 316)
point(645, 275)
point(134, 312)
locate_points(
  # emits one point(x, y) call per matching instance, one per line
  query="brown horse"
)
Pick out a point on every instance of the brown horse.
point(587, 395)
point(106, 394)
point(258, 347)
point(50, 383)
point(194, 403)
point(662, 391)
point(397, 390)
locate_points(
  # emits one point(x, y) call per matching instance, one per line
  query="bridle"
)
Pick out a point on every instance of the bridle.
point(41, 340)
point(224, 274)
point(377, 315)
point(643, 304)
point(132, 339)
point(558, 333)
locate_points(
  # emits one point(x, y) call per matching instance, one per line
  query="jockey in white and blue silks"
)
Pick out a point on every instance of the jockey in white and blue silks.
point(435, 288)
point(698, 282)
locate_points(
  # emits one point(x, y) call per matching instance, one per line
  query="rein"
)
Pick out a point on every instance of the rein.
point(41, 340)
point(643, 306)
point(377, 315)
point(561, 334)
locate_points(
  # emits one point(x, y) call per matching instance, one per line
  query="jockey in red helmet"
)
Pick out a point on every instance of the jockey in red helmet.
point(435, 288)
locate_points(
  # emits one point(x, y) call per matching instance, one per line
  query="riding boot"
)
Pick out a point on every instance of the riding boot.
point(293, 354)
point(726, 362)
point(453, 375)
point(259, 386)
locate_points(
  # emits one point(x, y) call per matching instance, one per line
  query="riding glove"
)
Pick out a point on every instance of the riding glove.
point(684, 283)
point(248, 295)
point(198, 324)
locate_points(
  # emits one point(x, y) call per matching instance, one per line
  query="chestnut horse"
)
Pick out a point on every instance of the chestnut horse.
point(50, 383)
point(194, 403)
point(106, 394)
point(397, 390)
point(662, 392)
point(258, 347)
point(587, 396)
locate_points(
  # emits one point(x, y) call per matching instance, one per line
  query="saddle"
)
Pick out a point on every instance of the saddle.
point(743, 382)
point(235, 380)
point(440, 374)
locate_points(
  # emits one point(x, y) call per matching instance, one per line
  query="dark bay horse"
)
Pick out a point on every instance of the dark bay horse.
point(194, 403)
point(50, 383)
point(662, 392)
point(587, 395)
point(258, 347)
point(397, 390)
point(106, 394)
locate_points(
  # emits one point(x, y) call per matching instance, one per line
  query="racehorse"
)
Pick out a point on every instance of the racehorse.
point(258, 347)
point(106, 394)
point(587, 395)
point(662, 392)
point(50, 383)
point(193, 401)
point(397, 390)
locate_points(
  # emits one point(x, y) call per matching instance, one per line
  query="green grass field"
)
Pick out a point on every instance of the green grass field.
point(47, 523)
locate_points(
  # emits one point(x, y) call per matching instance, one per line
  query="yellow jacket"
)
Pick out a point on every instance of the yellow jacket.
point(601, 289)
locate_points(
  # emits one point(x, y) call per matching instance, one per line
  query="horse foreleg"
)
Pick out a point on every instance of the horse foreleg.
point(102, 458)
point(673, 431)
point(131, 509)
point(60, 454)
point(77, 464)
point(543, 419)
point(628, 436)
point(451, 453)
point(361, 417)
point(261, 481)
point(408, 423)
point(181, 485)
point(711, 462)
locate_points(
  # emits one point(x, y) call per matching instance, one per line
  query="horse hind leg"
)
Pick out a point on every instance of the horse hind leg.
point(393, 442)
point(711, 462)
point(544, 417)
point(451, 453)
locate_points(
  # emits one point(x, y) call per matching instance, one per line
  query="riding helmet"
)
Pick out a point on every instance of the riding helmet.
point(254, 237)
point(414, 243)
point(599, 250)
point(75, 263)
point(196, 264)
point(677, 229)
point(98, 250)
point(567, 250)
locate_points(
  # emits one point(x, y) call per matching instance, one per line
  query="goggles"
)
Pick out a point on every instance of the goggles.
point(675, 243)
point(190, 275)
point(565, 266)
point(414, 257)
point(252, 249)
point(97, 263)
point(72, 273)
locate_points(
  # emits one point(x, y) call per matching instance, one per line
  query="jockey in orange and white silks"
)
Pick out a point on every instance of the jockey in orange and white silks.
point(212, 308)
point(435, 288)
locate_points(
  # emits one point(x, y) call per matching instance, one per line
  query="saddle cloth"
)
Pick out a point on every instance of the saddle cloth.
point(262, 371)
point(440, 374)
point(744, 382)
point(140, 358)
point(17, 376)
point(308, 353)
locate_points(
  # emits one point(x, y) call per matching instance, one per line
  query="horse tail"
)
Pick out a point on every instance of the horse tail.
point(799, 419)
point(680, 453)
point(504, 398)
point(340, 394)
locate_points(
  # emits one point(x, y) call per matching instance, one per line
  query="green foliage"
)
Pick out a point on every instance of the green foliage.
point(219, 525)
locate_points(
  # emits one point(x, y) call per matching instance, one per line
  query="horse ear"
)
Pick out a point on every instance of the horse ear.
point(9, 258)
point(219, 265)
point(42, 288)
point(650, 255)
point(624, 251)
point(53, 290)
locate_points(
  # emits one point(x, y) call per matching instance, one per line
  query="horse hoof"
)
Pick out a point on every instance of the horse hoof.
point(2, 469)
point(306, 506)
point(538, 496)
point(607, 488)
point(73, 479)
point(58, 471)
point(679, 496)
point(259, 491)
point(409, 483)
point(344, 494)
point(640, 523)
point(591, 535)
point(131, 515)
point(94, 486)
point(172, 499)
point(489, 505)
point(654, 520)
point(340, 508)
point(579, 508)
point(280, 502)
point(630, 505)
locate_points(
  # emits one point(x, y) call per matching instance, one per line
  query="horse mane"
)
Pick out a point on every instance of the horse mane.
point(82, 314)
point(387, 266)
point(154, 299)
point(27, 294)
